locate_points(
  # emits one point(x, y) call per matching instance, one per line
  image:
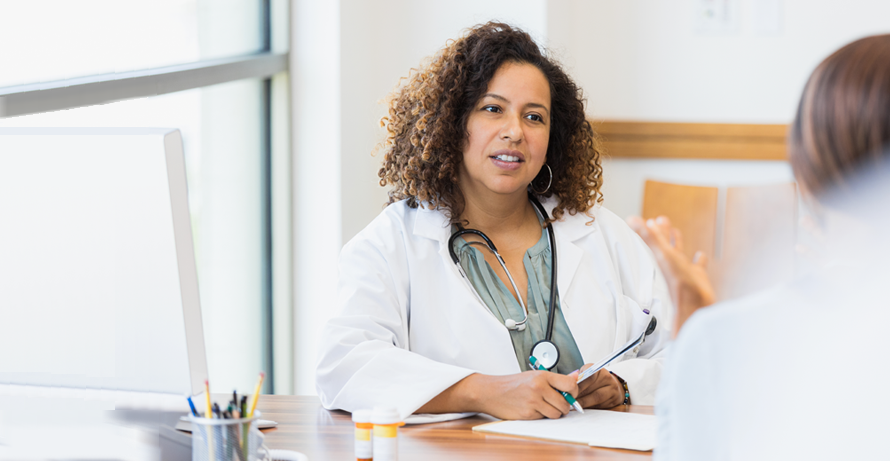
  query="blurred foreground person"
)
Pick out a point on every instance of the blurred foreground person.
point(796, 372)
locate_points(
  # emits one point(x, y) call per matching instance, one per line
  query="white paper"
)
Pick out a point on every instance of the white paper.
point(597, 428)
point(428, 418)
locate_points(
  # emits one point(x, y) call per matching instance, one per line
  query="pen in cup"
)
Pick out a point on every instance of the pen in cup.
point(192, 406)
point(234, 410)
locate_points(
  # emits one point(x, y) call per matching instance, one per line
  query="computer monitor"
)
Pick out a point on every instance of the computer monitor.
point(98, 283)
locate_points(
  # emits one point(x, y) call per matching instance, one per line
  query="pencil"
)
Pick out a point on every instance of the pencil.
point(209, 413)
point(256, 395)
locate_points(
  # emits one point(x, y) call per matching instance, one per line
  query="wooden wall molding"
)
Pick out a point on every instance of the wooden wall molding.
point(712, 141)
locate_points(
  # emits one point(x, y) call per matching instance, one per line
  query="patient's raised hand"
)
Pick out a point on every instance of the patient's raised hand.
point(687, 280)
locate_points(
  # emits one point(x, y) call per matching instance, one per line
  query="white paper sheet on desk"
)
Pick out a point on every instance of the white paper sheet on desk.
point(597, 428)
point(428, 418)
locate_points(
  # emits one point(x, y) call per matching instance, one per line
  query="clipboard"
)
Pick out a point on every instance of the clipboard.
point(619, 352)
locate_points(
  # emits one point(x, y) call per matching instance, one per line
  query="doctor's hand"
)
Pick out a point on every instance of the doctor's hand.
point(602, 390)
point(527, 395)
point(687, 280)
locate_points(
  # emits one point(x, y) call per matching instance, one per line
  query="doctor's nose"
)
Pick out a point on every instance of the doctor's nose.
point(512, 131)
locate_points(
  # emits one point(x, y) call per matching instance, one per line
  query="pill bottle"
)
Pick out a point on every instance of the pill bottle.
point(386, 433)
point(364, 445)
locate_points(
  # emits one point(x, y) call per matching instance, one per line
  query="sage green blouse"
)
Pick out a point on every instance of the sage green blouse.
point(503, 305)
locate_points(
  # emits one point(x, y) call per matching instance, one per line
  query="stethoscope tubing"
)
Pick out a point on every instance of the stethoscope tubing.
point(551, 315)
point(491, 247)
point(553, 265)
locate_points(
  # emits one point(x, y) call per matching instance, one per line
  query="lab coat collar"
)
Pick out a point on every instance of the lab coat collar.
point(433, 224)
point(568, 230)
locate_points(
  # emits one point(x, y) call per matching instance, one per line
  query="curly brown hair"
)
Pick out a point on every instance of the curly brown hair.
point(426, 125)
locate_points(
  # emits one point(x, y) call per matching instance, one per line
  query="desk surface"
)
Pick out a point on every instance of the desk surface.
point(304, 426)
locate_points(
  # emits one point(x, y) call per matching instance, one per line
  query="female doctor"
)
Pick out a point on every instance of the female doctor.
point(490, 136)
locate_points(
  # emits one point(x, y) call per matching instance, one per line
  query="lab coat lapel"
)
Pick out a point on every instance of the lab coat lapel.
point(568, 254)
point(584, 304)
point(435, 226)
point(500, 358)
point(568, 257)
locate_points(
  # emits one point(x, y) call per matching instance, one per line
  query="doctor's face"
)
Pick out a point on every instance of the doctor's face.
point(509, 129)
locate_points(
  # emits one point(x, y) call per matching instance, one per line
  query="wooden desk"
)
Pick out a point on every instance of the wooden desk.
point(304, 426)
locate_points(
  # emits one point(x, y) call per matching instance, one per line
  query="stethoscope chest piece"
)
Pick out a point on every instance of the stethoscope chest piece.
point(546, 353)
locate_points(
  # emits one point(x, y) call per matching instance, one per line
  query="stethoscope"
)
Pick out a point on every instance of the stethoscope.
point(544, 351)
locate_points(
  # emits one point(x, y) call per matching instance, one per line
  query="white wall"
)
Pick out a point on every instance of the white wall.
point(645, 60)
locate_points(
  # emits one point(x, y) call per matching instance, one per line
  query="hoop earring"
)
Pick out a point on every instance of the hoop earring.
point(549, 181)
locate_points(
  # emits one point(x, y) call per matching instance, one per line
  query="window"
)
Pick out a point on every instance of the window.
point(61, 39)
point(88, 63)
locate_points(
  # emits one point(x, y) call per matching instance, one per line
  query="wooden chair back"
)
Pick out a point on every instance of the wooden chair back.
point(748, 232)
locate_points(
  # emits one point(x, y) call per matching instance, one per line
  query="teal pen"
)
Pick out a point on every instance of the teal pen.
point(534, 363)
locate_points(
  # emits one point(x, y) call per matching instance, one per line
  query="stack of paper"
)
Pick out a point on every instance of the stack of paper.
point(597, 428)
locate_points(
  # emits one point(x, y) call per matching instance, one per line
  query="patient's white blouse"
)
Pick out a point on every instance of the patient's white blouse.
point(798, 372)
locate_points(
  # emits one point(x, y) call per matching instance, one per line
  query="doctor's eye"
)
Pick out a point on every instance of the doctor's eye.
point(535, 118)
point(492, 109)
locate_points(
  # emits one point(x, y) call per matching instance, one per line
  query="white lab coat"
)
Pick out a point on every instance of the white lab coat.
point(410, 327)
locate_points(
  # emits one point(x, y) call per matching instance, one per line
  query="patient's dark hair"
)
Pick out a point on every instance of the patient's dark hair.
point(426, 126)
point(842, 125)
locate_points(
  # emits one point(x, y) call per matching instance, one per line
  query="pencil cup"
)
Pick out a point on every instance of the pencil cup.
point(228, 440)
